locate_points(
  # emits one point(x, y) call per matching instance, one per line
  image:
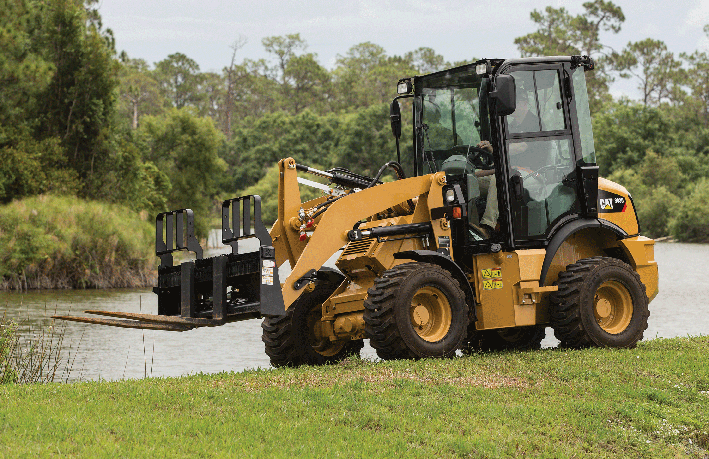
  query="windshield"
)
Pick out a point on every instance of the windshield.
point(451, 116)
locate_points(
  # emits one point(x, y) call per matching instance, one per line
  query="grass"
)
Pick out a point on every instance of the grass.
point(66, 242)
point(35, 359)
point(647, 402)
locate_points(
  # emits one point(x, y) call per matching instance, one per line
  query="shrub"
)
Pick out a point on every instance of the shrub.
point(691, 223)
point(66, 242)
point(656, 210)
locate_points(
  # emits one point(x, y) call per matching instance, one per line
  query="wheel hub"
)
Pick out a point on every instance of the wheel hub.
point(430, 314)
point(613, 307)
point(603, 308)
point(421, 315)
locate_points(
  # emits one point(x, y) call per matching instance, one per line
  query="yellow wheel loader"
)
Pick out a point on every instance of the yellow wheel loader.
point(496, 227)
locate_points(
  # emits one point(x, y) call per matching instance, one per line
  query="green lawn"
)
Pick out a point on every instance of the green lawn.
point(652, 401)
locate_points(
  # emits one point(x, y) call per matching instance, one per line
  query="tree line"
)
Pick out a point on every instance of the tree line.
point(80, 118)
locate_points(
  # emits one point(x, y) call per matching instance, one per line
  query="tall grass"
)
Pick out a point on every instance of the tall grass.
point(66, 242)
point(35, 359)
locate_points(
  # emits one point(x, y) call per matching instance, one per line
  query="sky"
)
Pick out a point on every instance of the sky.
point(456, 29)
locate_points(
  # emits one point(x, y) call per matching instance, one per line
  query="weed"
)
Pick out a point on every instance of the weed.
point(35, 359)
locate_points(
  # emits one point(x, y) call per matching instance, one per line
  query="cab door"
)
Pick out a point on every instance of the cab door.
point(540, 153)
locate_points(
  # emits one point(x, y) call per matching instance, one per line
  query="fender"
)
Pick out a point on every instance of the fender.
point(567, 230)
point(437, 258)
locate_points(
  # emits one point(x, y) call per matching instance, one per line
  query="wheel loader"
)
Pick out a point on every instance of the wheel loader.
point(497, 226)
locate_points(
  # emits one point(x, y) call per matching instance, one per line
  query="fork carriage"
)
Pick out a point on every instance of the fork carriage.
point(209, 291)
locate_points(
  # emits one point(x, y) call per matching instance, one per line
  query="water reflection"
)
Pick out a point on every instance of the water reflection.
point(116, 353)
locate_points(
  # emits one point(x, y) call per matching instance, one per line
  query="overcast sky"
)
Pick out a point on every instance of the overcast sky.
point(203, 30)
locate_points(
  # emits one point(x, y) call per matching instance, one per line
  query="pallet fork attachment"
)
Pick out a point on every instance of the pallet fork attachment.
point(208, 292)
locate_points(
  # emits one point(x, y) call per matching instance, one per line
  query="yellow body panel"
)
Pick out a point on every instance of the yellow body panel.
point(507, 286)
point(641, 252)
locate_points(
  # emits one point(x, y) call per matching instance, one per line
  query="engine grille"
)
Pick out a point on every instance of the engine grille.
point(358, 247)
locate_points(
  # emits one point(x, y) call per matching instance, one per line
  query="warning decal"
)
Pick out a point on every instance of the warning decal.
point(267, 274)
point(494, 273)
point(492, 278)
point(492, 284)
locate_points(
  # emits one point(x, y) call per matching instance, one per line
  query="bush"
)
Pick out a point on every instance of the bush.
point(692, 221)
point(65, 242)
point(656, 211)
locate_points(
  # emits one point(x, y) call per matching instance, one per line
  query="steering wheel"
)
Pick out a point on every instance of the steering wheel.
point(482, 159)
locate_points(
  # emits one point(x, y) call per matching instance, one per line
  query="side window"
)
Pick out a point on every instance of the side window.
point(549, 98)
point(539, 106)
point(584, 116)
point(525, 118)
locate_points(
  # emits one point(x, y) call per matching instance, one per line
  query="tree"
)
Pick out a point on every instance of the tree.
point(230, 76)
point(560, 33)
point(179, 79)
point(653, 65)
point(303, 81)
point(213, 91)
point(366, 76)
point(426, 60)
point(285, 49)
point(79, 102)
point(697, 79)
point(625, 131)
point(138, 90)
point(185, 147)
point(307, 137)
point(307, 83)
point(25, 72)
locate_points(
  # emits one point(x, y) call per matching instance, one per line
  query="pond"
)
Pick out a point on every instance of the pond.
point(96, 352)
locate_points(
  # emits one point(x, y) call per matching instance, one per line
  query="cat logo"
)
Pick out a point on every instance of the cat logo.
point(607, 204)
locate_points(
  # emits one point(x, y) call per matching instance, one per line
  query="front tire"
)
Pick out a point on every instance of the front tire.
point(600, 302)
point(415, 310)
point(296, 338)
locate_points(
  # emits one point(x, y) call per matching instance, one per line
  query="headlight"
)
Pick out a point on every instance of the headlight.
point(404, 87)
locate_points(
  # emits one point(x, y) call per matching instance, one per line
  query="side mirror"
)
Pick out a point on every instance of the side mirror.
point(395, 115)
point(504, 95)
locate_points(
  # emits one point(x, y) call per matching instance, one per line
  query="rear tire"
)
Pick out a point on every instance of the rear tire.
point(295, 339)
point(600, 302)
point(415, 310)
point(505, 339)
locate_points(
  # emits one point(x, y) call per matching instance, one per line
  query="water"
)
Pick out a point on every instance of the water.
point(680, 309)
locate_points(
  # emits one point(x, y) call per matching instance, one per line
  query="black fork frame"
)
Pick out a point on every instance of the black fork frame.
point(224, 288)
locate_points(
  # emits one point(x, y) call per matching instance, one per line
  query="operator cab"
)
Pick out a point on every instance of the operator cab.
point(515, 137)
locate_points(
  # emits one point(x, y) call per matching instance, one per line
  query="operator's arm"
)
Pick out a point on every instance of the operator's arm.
point(485, 145)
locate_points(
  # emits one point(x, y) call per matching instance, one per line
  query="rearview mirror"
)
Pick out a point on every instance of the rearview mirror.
point(504, 95)
point(395, 115)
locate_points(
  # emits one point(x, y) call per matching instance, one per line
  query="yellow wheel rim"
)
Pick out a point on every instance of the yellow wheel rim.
point(430, 314)
point(317, 337)
point(613, 307)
